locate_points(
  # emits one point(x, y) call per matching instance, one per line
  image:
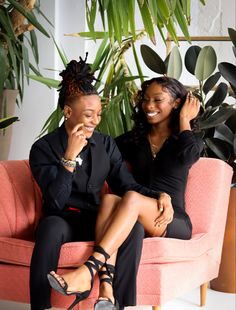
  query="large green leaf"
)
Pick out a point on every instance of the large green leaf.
point(152, 60)
point(34, 45)
point(5, 122)
point(179, 14)
point(224, 133)
point(147, 21)
point(231, 122)
point(131, 10)
point(190, 59)
point(220, 148)
point(206, 63)
point(174, 68)
point(232, 34)
point(52, 122)
point(228, 71)
point(218, 96)
point(217, 118)
point(4, 65)
point(211, 82)
point(91, 15)
point(47, 81)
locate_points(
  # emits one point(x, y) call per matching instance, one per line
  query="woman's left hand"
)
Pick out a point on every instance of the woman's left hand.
point(190, 108)
point(165, 210)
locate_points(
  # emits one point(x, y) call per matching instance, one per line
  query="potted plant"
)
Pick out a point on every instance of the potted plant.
point(16, 19)
point(116, 82)
point(217, 121)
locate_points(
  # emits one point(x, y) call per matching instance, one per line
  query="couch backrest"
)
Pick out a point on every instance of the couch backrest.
point(20, 200)
point(207, 197)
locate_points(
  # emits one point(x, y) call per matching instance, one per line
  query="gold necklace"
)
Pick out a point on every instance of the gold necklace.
point(155, 148)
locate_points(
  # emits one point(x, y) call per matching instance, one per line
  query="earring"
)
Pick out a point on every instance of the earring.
point(66, 118)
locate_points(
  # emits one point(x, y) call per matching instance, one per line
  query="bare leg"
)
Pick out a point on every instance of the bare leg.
point(131, 207)
point(105, 216)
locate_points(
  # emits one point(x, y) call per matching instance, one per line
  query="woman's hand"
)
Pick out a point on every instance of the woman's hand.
point(76, 142)
point(165, 210)
point(189, 111)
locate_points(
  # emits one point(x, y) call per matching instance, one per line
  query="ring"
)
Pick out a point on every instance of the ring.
point(161, 209)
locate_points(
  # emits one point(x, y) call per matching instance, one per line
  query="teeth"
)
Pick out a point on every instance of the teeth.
point(89, 128)
point(151, 114)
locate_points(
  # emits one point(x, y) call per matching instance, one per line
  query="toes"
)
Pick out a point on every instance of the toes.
point(58, 278)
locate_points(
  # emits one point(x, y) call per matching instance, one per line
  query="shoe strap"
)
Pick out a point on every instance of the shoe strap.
point(93, 264)
point(109, 272)
point(100, 250)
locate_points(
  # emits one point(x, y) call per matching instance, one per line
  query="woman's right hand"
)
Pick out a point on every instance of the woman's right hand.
point(76, 142)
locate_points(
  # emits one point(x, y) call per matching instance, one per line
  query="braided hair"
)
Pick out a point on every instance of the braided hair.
point(176, 89)
point(76, 81)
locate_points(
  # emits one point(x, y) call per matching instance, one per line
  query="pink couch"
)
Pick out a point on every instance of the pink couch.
point(169, 267)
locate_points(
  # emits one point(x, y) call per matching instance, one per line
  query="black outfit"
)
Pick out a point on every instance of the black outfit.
point(167, 172)
point(70, 202)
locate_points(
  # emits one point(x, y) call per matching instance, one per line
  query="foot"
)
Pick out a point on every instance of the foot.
point(106, 292)
point(78, 280)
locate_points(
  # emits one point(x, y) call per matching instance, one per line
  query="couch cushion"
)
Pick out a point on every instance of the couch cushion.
point(155, 250)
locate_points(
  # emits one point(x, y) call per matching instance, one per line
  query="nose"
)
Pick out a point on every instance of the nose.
point(148, 103)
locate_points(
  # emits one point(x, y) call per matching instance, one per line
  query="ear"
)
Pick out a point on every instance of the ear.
point(176, 103)
point(67, 111)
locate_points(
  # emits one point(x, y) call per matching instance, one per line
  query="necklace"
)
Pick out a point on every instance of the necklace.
point(155, 148)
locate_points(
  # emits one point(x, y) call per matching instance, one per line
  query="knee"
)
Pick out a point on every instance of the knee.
point(131, 198)
point(52, 228)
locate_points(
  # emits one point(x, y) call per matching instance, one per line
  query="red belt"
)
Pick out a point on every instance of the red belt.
point(73, 209)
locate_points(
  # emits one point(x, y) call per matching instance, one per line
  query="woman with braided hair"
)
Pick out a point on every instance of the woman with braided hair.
point(70, 166)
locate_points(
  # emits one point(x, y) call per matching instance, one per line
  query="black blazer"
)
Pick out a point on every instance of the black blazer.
point(101, 161)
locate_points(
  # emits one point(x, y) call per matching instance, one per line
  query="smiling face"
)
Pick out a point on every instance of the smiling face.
point(158, 104)
point(84, 109)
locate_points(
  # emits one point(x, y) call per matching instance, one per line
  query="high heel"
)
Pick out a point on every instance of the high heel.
point(106, 304)
point(92, 264)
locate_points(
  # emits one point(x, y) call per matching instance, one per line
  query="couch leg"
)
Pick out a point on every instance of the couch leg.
point(156, 307)
point(203, 293)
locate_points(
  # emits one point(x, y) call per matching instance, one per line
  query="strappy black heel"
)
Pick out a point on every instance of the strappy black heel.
point(92, 264)
point(106, 304)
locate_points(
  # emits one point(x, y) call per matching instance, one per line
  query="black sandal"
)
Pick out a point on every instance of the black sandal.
point(106, 303)
point(92, 264)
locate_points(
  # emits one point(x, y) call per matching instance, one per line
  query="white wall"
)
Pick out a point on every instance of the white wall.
point(69, 17)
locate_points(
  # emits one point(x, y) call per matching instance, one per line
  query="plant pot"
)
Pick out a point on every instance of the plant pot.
point(7, 108)
point(226, 281)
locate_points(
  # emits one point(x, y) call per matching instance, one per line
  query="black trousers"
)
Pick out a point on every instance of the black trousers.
point(53, 231)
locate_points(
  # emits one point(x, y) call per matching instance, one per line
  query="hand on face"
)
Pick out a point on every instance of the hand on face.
point(190, 108)
point(76, 142)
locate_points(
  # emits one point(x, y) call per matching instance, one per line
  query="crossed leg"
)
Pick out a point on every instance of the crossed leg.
point(125, 212)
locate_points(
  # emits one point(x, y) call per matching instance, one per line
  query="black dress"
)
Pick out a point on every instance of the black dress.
point(70, 204)
point(167, 172)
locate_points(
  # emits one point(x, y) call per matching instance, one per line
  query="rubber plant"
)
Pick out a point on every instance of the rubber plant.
point(217, 122)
